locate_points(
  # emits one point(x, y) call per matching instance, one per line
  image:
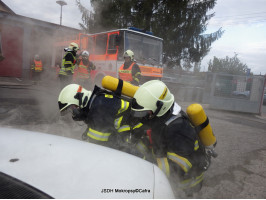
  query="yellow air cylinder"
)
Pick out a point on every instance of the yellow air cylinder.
point(111, 83)
point(197, 117)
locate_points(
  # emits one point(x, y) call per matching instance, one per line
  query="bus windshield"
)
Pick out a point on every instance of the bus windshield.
point(147, 49)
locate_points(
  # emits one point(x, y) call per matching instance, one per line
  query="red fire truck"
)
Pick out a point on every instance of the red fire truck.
point(107, 48)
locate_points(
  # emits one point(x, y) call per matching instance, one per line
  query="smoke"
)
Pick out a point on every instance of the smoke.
point(30, 101)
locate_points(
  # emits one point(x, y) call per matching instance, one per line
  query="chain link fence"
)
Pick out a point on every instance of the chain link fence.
point(220, 91)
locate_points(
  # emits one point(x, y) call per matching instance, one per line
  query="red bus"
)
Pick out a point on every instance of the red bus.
point(107, 48)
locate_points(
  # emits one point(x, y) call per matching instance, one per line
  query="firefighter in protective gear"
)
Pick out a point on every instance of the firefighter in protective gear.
point(68, 64)
point(106, 114)
point(130, 70)
point(37, 67)
point(176, 145)
point(83, 70)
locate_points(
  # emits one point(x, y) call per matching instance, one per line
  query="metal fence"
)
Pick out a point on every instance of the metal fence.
point(220, 91)
point(233, 86)
point(237, 93)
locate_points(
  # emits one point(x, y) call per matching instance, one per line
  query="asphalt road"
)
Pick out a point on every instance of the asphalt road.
point(239, 171)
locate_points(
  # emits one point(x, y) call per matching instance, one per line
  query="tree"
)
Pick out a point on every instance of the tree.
point(185, 22)
point(180, 23)
point(227, 65)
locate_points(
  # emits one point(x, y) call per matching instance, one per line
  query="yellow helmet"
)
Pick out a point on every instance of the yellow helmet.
point(129, 53)
point(73, 94)
point(152, 96)
point(74, 46)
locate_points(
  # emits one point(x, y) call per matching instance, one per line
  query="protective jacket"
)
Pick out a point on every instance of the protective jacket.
point(108, 119)
point(130, 72)
point(37, 65)
point(177, 149)
point(83, 70)
point(68, 64)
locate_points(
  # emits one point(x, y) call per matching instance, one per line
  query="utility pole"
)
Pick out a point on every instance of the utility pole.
point(61, 3)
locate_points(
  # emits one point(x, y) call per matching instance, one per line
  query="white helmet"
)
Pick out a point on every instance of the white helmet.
point(129, 53)
point(73, 94)
point(152, 96)
point(37, 57)
point(85, 53)
point(73, 46)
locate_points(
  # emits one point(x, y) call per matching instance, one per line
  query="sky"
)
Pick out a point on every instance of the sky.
point(244, 23)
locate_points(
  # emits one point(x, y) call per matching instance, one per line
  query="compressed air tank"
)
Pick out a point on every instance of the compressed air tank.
point(199, 119)
point(111, 83)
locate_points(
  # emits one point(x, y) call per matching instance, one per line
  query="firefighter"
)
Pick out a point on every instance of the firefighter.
point(68, 64)
point(175, 144)
point(130, 70)
point(107, 116)
point(83, 70)
point(37, 67)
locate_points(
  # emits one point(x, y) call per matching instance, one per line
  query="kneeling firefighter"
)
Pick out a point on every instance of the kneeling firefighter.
point(106, 113)
point(176, 145)
point(82, 73)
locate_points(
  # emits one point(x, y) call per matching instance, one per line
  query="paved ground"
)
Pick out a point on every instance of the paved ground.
point(239, 171)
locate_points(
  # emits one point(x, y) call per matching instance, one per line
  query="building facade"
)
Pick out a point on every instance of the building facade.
point(21, 38)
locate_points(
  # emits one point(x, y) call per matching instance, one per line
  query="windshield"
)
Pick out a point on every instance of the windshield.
point(147, 49)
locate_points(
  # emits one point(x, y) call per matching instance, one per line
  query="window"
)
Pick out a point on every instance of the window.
point(91, 44)
point(113, 42)
point(83, 42)
point(146, 49)
point(101, 42)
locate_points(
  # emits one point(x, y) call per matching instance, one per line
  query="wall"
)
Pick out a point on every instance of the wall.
point(12, 39)
point(22, 38)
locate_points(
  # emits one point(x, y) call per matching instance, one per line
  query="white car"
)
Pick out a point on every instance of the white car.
point(241, 94)
point(38, 165)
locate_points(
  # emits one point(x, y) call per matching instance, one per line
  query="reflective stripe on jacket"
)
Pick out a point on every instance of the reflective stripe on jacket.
point(181, 161)
point(126, 74)
point(164, 165)
point(97, 135)
point(128, 127)
point(69, 69)
point(114, 108)
point(142, 148)
point(123, 108)
point(192, 182)
point(38, 65)
point(82, 71)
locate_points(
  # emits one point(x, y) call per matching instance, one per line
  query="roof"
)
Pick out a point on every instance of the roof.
point(19, 19)
point(5, 8)
point(128, 30)
point(8, 14)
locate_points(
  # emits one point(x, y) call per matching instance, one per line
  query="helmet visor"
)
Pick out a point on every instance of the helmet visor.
point(137, 110)
point(65, 112)
point(62, 106)
point(140, 114)
point(135, 105)
point(68, 109)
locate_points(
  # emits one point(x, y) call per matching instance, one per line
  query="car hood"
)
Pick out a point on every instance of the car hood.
point(68, 168)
